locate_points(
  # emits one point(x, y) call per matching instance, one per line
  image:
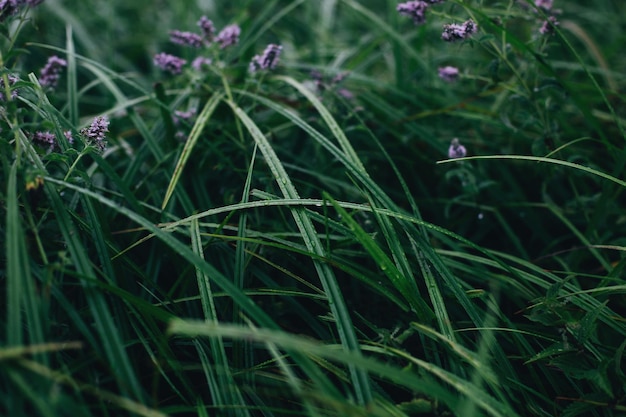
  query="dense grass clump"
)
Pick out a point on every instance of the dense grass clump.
point(317, 208)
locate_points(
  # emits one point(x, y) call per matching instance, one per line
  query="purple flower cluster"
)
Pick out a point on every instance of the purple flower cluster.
point(12, 80)
point(228, 36)
point(455, 32)
point(548, 25)
point(51, 72)
point(186, 38)
point(415, 9)
point(48, 139)
point(45, 138)
point(449, 74)
point(323, 83)
point(544, 4)
point(95, 134)
point(68, 136)
point(169, 62)
point(456, 150)
point(200, 61)
point(180, 115)
point(268, 60)
point(207, 28)
point(11, 7)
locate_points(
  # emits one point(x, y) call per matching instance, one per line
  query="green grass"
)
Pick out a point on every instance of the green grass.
point(303, 245)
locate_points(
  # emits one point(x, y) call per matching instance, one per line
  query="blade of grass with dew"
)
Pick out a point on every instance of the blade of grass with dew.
point(546, 160)
point(388, 231)
point(309, 234)
point(338, 308)
point(386, 265)
point(198, 127)
point(389, 205)
point(343, 141)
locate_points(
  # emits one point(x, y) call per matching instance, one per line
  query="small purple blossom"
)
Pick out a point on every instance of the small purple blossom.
point(51, 72)
point(345, 93)
point(449, 74)
point(268, 60)
point(96, 133)
point(183, 115)
point(207, 27)
point(186, 38)
point(544, 4)
point(415, 9)
point(8, 8)
point(11, 7)
point(228, 36)
point(45, 138)
point(68, 136)
point(340, 77)
point(169, 62)
point(455, 32)
point(547, 27)
point(456, 150)
point(12, 80)
point(199, 62)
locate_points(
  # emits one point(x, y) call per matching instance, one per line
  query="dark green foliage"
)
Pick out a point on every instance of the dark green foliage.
point(296, 242)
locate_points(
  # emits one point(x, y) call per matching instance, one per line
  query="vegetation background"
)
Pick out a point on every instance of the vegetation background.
point(302, 245)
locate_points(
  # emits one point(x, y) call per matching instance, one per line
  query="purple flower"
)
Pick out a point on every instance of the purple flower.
point(415, 9)
point(96, 133)
point(45, 138)
point(183, 115)
point(449, 74)
point(68, 136)
point(11, 7)
point(345, 93)
point(8, 8)
point(339, 77)
point(199, 62)
point(50, 73)
point(228, 36)
point(268, 60)
point(456, 150)
point(12, 80)
point(544, 4)
point(454, 32)
point(207, 28)
point(547, 27)
point(169, 62)
point(186, 38)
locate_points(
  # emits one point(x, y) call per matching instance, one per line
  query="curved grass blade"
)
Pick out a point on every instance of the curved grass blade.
point(338, 307)
point(198, 127)
point(542, 159)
